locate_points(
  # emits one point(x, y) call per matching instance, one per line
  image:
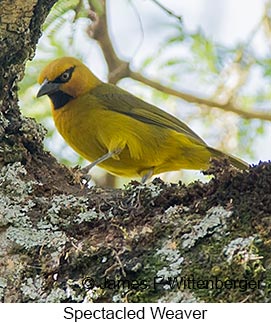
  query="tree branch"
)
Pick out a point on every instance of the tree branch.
point(169, 12)
point(118, 68)
point(228, 107)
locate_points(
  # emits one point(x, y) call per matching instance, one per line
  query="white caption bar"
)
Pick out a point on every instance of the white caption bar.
point(181, 312)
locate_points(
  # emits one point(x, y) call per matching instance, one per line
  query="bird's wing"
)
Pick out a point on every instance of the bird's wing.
point(121, 101)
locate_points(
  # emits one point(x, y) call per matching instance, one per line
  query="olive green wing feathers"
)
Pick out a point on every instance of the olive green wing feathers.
point(121, 101)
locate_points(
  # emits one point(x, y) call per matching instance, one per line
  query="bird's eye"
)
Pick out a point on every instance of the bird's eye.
point(65, 76)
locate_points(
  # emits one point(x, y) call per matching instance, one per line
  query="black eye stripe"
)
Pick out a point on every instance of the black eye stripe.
point(59, 79)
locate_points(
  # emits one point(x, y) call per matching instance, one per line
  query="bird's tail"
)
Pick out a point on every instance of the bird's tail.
point(236, 162)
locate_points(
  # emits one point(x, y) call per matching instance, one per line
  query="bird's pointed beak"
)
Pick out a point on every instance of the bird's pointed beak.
point(48, 88)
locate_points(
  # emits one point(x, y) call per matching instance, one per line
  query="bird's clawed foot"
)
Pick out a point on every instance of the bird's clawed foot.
point(81, 175)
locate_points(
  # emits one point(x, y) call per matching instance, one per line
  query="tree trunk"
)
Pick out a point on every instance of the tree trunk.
point(62, 242)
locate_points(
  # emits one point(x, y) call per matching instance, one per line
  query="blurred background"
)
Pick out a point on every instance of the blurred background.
point(210, 49)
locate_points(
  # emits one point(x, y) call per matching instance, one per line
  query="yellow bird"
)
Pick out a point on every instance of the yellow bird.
point(122, 133)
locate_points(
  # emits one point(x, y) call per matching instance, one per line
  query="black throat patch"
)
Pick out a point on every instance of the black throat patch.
point(59, 99)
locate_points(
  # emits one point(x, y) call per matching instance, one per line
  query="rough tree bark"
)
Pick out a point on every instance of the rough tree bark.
point(60, 241)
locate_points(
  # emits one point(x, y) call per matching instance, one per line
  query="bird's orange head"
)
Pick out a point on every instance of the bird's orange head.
point(65, 79)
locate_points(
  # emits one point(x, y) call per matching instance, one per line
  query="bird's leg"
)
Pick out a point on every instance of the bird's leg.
point(98, 161)
point(101, 159)
point(146, 175)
